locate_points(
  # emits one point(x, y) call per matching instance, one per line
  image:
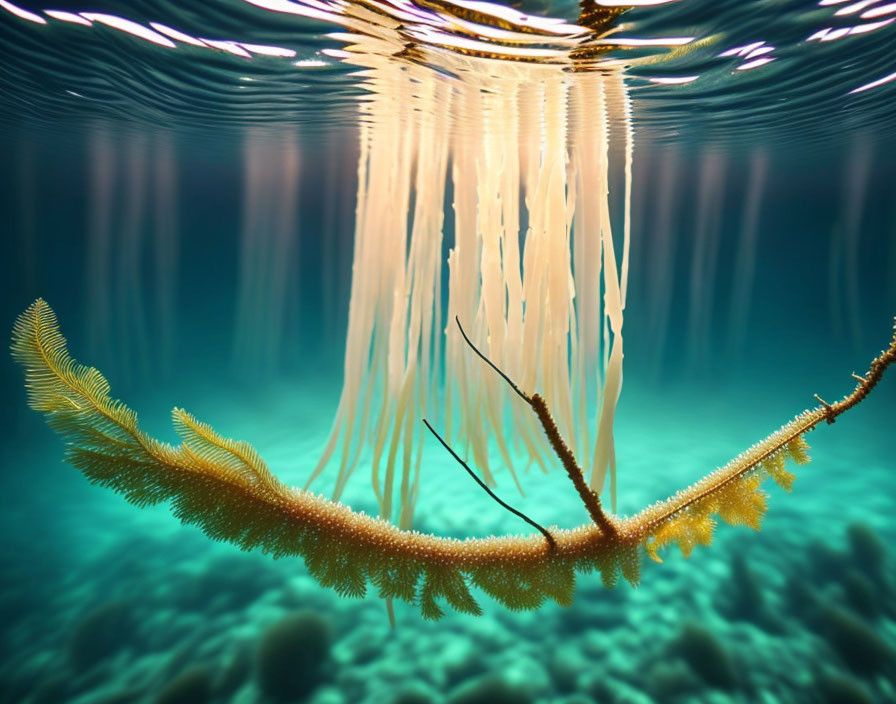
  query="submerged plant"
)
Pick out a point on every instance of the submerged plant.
point(225, 488)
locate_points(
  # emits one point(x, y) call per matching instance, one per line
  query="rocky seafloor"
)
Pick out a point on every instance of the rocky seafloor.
point(102, 603)
point(174, 620)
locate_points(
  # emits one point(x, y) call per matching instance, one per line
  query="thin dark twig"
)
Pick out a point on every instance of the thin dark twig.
point(550, 538)
point(564, 454)
point(828, 409)
point(490, 363)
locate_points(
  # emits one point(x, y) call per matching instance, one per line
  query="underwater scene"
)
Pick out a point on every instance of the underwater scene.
point(424, 351)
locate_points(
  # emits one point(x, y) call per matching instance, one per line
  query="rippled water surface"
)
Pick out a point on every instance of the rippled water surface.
point(726, 70)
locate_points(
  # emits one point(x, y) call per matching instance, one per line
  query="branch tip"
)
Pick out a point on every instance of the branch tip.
point(489, 362)
point(830, 417)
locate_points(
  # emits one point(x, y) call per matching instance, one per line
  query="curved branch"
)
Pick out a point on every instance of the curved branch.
point(225, 489)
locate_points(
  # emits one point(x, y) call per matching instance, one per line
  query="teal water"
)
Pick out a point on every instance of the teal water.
point(133, 224)
point(104, 602)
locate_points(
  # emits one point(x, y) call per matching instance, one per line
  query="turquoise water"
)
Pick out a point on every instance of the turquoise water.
point(763, 271)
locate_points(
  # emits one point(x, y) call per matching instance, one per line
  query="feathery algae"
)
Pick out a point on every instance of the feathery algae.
point(225, 488)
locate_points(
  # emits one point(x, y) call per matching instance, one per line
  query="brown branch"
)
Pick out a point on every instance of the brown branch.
point(588, 496)
point(345, 550)
point(561, 449)
point(827, 408)
point(866, 383)
point(760, 452)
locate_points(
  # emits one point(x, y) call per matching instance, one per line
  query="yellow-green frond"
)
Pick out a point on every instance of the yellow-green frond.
point(68, 392)
point(742, 502)
point(224, 487)
point(212, 453)
point(775, 467)
point(687, 530)
point(798, 449)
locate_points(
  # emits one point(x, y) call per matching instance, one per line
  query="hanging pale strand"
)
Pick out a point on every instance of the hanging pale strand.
point(383, 173)
point(488, 224)
point(618, 103)
point(499, 323)
point(486, 286)
point(357, 311)
point(560, 290)
point(462, 378)
point(589, 183)
point(388, 356)
point(534, 107)
point(500, 156)
point(523, 166)
point(622, 99)
point(519, 119)
point(427, 235)
point(392, 155)
point(491, 315)
point(412, 318)
point(604, 460)
point(545, 203)
point(394, 313)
